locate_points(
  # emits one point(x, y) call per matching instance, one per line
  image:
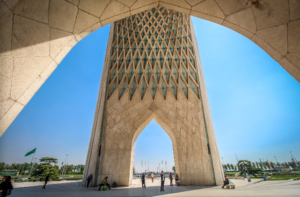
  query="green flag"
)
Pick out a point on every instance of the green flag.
point(30, 152)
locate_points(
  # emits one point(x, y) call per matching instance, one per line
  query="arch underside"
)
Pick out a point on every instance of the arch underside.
point(36, 35)
point(181, 118)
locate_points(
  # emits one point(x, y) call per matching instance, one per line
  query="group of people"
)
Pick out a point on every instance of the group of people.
point(104, 182)
point(162, 178)
point(6, 186)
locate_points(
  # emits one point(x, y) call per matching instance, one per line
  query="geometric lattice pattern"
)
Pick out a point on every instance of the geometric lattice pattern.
point(153, 50)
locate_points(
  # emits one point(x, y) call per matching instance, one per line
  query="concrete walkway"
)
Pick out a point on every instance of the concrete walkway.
point(75, 189)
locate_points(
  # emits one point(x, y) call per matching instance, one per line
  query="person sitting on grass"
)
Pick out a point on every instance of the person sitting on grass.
point(226, 182)
point(104, 183)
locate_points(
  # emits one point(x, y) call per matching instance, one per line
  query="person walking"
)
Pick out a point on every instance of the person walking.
point(143, 181)
point(171, 179)
point(152, 176)
point(6, 186)
point(89, 180)
point(46, 180)
point(162, 178)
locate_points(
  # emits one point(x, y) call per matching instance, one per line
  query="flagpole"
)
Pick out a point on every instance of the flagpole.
point(31, 164)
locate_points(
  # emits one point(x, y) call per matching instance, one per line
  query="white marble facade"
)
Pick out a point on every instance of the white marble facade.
point(152, 71)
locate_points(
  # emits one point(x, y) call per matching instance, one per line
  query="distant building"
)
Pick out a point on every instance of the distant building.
point(281, 169)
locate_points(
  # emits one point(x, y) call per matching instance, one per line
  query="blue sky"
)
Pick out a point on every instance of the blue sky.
point(254, 104)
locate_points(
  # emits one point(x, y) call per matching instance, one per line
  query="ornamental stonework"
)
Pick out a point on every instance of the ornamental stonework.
point(153, 50)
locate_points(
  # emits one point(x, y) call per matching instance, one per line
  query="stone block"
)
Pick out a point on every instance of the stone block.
point(9, 116)
point(143, 5)
point(75, 2)
point(113, 9)
point(84, 21)
point(26, 71)
point(290, 68)
point(5, 87)
point(5, 105)
point(177, 7)
point(270, 13)
point(267, 48)
point(61, 55)
point(209, 7)
point(38, 82)
point(194, 2)
point(294, 58)
point(30, 38)
point(6, 64)
point(232, 6)
point(94, 7)
point(244, 19)
point(59, 39)
point(294, 36)
point(294, 9)
point(276, 37)
point(238, 29)
point(6, 20)
point(36, 10)
point(62, 15)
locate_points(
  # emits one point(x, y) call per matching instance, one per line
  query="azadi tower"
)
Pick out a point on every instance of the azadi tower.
point(152, 70)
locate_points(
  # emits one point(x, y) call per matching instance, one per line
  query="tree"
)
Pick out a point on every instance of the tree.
point(245, 167)
point(174, 170)
point(231, 166)
point(70, 168)
point(48, 160)
point(133, 170)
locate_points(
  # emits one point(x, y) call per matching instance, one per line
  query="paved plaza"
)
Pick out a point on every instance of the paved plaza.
point(75, 189)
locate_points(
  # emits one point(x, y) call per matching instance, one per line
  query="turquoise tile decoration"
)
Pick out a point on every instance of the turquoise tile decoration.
point(183, 72)
point(121, 73)
point(194, 88)
point(148, 73)
point(143, 87)
point(157, 73)
point(132, 88)
point(153, 50)
point(130, 73)
point(153, 88)
point(139, 73)
point(173, 88)
point(175, 73)
point(166, 72)
point(113, 73)
point(163, 87)
point(183, 87)
point(112, 88)
point(128, 59)
point(123, 88)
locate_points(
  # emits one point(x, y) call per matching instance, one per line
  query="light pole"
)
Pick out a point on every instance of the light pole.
point(276, 160)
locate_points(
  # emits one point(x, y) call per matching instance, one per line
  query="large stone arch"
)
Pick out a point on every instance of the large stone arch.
point(139, 84)
point(36, 35)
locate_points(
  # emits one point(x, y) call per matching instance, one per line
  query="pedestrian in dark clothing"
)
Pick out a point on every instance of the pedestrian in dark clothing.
point(89, 180)
point(226, 182)
point(46, 180)
point(171, 179)
point(6, 187)
point(143, 181)
point(162, 177)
